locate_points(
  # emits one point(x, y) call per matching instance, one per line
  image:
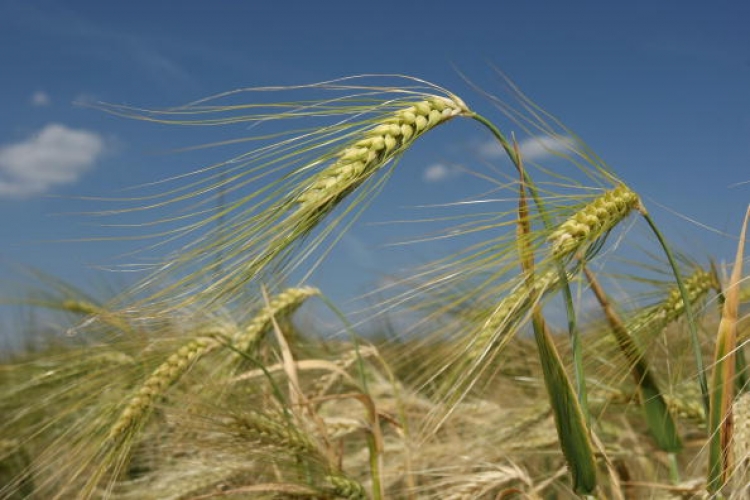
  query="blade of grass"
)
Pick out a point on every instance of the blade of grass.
point(571, 424)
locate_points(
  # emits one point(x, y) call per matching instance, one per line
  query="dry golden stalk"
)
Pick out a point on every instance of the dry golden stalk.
point(722, 392)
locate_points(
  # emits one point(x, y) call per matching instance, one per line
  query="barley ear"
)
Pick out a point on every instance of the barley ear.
point(379, 145)
point(593, 220)
point(167, 374)
point(282, 304)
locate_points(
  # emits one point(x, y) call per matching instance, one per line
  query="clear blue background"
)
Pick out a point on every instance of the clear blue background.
point(660, 90)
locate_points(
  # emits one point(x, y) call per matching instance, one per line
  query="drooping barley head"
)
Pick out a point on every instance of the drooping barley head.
point(593, 220)
point(379, 145)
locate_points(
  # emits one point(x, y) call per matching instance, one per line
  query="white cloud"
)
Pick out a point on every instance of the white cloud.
point(40, 98)
point(56, 155)
point(532, 149)
point(438, 172)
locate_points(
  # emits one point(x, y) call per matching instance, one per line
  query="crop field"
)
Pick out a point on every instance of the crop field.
point(561, 346)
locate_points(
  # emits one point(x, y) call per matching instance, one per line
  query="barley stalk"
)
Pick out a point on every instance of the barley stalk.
point(570, 419)
point(593, 220)
point(272, 432)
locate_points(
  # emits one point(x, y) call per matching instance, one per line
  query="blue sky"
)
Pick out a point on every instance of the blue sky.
point(660, 90)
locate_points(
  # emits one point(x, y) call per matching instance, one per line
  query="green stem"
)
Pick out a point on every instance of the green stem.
point(688, 309)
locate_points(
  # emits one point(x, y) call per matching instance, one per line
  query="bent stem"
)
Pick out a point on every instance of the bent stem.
point(690, 316)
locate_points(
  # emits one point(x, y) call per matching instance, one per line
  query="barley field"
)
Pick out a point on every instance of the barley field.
point(568, 350)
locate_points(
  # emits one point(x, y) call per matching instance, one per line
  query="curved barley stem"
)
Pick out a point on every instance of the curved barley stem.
point(690, 316)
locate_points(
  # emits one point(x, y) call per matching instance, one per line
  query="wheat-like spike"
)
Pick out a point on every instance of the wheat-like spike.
point(273, 433)
point(697, 285)
point(507, 312)
point(94, 311)
point(380, 144)
point(158, 382)
point(282, 304)
point(687, 406)
point(593, 220)
point(80, 306)
point(345, 487)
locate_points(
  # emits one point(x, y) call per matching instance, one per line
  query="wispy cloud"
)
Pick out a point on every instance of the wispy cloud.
point(438, 172)
point(40, 98)
point(532, 149)
point(54, 156)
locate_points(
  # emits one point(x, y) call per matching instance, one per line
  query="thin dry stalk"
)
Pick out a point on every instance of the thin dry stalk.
point(722, 381)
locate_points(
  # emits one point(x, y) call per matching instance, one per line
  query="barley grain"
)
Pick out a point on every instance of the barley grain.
point(593, 220)
point(158, 382)
point(344, 487)
point(379, 145)
point(697, 285)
